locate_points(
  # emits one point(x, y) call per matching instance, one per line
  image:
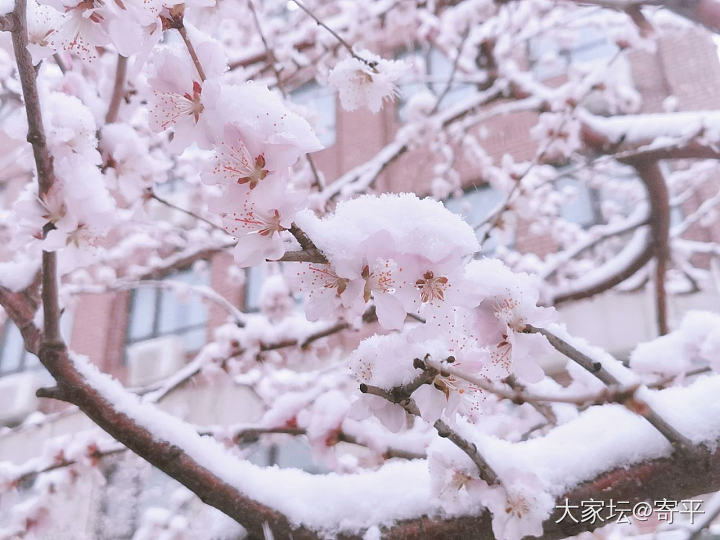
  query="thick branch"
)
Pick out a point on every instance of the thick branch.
point(652, 177)
point(169, 458)
point(677, 477)
point(611, 274)
point(21, 310)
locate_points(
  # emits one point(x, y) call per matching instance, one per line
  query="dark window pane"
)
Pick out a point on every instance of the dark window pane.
point(178, 310)
point(142, 313)
point(12, 349)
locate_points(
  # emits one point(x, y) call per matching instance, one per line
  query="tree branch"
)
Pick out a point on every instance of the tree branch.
point(677, 439)
point(652, 177)
point(401, 396)
point(654, 479)
point(118, 90)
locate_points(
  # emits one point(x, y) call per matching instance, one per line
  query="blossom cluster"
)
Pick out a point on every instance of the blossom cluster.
point(411, 259)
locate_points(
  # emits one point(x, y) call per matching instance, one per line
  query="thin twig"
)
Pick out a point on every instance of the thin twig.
point(118, 90)
point(190, 213)
point(345, 44)
point(677, 439)
point(281, 86)
point(59, 61)
point(443, 429)
point(191, 51)
point(453, 71)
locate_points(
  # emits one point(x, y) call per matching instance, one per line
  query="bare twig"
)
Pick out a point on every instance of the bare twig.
point(340, 40)
point(190, 213)
point(281, 86)
point(309, 252)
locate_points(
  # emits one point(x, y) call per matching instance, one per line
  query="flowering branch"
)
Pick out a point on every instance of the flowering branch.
point(601, 371)
point(400, 395)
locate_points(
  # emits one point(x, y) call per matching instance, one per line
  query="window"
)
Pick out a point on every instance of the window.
point(320, 102)
point(294, 453)
point(254, 278)
point(13, 356)
point(619, 188)
point(550, 59)
point(438, 68)
point(475, 205)
point(583, 207)
point(156, 312)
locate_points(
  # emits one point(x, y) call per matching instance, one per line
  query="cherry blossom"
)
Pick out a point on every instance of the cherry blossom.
point(366, 82)
point(43, 22)
point(181, 99)
point(499, 323)
point(129, 167)
point(518, 507)
point(257, 218)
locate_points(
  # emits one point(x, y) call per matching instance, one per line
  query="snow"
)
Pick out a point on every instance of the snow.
point(613, 366)
point(679, 407)
point(327, 503)
point(387, 361)
point(350, 502)
point(695, 343)
point(6, 6)
point(359, 85)
point(19, 273)
point(619, 438)
point(422, 226)
point(646, 128)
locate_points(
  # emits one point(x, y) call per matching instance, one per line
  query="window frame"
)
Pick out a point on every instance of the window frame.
point(23, 365)
point(157, 306)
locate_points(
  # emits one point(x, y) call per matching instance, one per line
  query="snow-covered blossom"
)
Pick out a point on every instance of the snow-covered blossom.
point(389, 361)
point(367, 82)
point(509, 305)
point(558, 135)
point(260, 142)
point(129, 166)
point(70, 128)
point(518, 505)
point(42, 22)
point(403, 252)
point(254, 146)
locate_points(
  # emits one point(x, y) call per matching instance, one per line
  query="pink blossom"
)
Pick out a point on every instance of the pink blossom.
point(366, 83)
point(509, 305)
